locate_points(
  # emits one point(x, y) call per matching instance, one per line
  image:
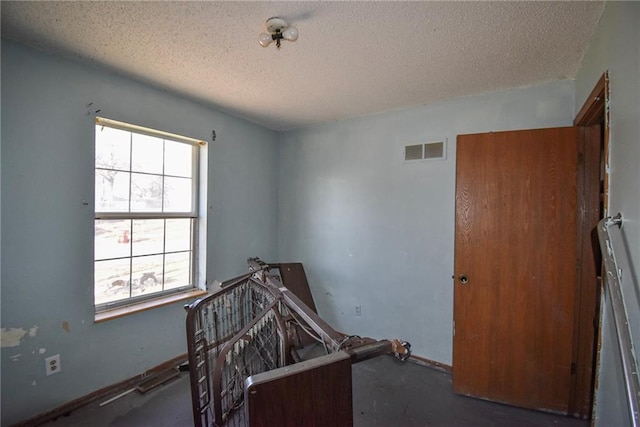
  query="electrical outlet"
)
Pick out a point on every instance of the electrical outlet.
point(358, 310)
point(52, 364)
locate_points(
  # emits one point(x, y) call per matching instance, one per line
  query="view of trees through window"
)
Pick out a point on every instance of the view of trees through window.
point(145, 215)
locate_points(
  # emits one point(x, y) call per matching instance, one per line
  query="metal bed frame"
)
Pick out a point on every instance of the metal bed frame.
point(613, 289)
point(251, 325)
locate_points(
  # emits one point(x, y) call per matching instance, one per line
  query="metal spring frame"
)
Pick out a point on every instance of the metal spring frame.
point(621, 320)
point(214, 324)
point(248, 327)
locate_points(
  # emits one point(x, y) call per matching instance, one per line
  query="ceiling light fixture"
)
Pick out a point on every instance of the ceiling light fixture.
point(278, 29)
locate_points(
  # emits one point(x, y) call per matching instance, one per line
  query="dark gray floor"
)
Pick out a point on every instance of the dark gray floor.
point(386, 393)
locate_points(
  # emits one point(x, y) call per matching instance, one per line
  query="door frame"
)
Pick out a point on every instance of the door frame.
point(594, 168)
point(595, 110)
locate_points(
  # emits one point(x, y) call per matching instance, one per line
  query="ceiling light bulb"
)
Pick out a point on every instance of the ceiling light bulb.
point(265, 39)
point(291, 34)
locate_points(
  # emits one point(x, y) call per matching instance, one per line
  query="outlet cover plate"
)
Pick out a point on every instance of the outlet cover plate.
point(52, 364)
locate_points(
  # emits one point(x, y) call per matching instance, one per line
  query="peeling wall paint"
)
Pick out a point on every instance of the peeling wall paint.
point(10, 337)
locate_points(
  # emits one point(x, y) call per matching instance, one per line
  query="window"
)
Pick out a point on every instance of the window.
point(146, 204)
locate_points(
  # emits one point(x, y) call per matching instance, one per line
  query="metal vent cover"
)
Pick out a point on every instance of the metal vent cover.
point(413, 152)
point(434, 150)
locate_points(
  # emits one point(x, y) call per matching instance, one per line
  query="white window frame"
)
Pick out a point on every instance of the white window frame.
point(196, 268)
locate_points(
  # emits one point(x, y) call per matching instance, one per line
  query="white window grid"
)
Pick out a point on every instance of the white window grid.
point(142, 215)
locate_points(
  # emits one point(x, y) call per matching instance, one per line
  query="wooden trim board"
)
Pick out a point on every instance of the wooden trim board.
point(116, 313)
point(102, 393)
point(428, 363)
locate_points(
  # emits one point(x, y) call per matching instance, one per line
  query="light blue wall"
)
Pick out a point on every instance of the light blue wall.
point(375, 232)
point(47, 231)
point(616, 47)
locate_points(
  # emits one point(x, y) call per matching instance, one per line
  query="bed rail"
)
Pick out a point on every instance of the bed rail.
point(613, 288)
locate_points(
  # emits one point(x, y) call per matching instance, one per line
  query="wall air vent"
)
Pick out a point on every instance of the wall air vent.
point(434, 150)
point(413, 152)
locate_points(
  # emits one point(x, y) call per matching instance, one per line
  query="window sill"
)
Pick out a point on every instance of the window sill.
point(115, 313)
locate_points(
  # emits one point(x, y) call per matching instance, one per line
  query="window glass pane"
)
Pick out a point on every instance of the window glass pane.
point(177, 194)
point(177, 270)
point(148, 236)
point(111, 280)
point(146, 154)
point(146, 272)
point(178, 235)
point(112, 191)
point(177, 159)
point(112, 238)
point(142, 176)
point(146, 193)
point(112, 148)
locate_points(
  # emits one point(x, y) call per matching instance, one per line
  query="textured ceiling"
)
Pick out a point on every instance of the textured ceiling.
point(352, 58)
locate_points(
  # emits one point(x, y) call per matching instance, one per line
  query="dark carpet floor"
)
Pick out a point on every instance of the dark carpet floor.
point(386, 393)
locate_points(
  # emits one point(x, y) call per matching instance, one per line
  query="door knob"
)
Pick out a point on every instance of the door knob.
point(463, 279)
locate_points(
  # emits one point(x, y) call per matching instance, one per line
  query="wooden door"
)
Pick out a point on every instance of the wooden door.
point(515, 266)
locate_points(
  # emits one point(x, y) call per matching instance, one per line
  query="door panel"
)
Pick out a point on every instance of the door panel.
point(516, 244)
